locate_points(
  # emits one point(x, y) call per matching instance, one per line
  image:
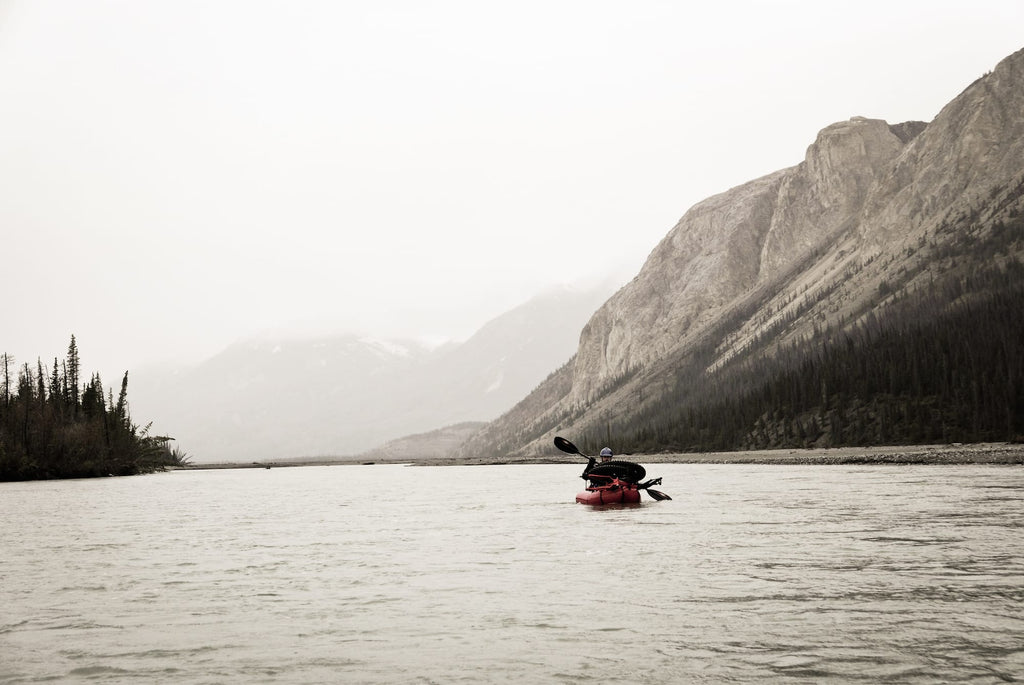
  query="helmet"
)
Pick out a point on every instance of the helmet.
point(606, 452)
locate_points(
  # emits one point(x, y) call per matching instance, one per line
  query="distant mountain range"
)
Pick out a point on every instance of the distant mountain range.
point(344, 395)
point(873, 293)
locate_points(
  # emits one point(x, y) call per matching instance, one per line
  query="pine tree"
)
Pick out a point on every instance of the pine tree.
point(7, 361)
point(121, 410)
point(73, 367)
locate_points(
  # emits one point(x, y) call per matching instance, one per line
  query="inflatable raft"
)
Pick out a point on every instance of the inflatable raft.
point(616, 492)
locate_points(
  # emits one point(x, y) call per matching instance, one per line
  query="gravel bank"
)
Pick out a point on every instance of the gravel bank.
point(981, 453)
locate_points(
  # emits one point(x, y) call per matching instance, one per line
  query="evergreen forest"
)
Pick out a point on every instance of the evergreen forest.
point(54, 424)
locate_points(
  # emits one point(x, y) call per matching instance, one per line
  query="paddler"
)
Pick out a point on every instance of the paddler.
point(606, 455)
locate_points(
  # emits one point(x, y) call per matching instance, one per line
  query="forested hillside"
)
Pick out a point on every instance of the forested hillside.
point(956, 376)
point(55, 425)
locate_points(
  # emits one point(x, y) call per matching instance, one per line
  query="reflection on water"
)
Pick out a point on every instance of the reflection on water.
point(390, 574)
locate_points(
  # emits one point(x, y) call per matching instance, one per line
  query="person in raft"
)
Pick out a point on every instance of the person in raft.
point(606, 454)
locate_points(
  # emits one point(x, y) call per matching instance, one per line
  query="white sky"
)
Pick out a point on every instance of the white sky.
point(176, 175)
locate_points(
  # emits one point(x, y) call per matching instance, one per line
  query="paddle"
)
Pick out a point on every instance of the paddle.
point(656, 494)
point(566, 446)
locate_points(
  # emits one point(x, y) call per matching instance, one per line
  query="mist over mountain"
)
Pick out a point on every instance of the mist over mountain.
point(345, 394)
point(870, 294)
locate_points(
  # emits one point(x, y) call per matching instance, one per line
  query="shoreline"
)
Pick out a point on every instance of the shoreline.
point(995, 453)
point(963, 454)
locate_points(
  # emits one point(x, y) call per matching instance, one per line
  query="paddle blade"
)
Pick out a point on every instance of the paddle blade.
point(657, 494)
point(566, 446)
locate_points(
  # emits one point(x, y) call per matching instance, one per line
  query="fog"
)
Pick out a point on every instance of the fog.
point(175, 176)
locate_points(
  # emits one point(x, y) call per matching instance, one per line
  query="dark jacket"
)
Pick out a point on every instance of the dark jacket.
point(591, 462)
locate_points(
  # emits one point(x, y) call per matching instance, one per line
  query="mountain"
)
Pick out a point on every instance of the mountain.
point(435, 444)
point(870, 293)
point(343, 395)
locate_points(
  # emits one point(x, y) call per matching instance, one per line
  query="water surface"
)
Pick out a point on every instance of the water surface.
point(392, 574)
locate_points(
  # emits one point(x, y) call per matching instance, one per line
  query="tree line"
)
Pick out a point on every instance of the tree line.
point(56, 424)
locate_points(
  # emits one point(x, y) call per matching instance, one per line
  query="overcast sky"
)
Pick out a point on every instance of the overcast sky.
point(178, 175)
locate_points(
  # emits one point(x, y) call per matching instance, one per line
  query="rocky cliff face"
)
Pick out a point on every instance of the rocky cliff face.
point(973, 145)
point(726, 245)
point(820, 198)
point(809, 244)
point(711, 257)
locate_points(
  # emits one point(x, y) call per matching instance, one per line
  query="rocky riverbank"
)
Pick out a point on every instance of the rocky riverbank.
point(980, 453)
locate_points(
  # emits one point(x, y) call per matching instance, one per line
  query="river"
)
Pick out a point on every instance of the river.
point(491, 574)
